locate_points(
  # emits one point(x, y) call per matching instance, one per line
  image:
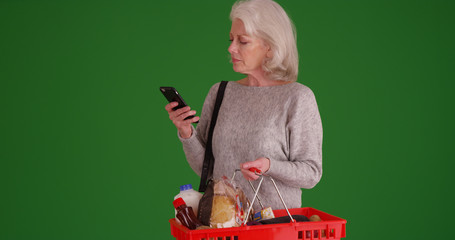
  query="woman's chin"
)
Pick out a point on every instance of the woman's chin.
point(237, 69)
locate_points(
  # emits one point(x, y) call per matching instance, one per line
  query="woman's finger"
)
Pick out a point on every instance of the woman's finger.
point(263, 164)
point(182, 110)
point(248, 175)
point(191, 120)
point(174, 115)
point(170, 106)
point(187, 114)
point(181, 117)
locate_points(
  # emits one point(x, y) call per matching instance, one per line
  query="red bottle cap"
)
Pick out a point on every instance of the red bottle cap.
point(178, 202)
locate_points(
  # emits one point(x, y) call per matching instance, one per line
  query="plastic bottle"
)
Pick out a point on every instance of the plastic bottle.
point(185, 214)
point(190, 196)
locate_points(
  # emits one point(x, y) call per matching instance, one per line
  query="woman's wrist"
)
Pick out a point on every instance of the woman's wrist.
point(186, 133)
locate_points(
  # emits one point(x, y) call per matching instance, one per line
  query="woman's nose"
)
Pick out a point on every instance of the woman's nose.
point(232, 48)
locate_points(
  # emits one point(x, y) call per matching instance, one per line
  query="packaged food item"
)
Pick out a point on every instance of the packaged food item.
point(190, 196)
point(266, 213)
point(222, 205)
point(185, 214)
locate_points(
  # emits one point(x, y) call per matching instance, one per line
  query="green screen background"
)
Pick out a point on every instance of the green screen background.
point(88, 151)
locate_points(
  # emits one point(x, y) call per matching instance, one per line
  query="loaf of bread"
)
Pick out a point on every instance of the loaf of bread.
point(228, 206)
point(223, 212)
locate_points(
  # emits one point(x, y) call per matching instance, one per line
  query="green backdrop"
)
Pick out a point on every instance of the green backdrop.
point(88, 151)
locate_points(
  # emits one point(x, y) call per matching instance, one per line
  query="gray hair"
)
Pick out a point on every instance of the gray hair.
point(267, 20)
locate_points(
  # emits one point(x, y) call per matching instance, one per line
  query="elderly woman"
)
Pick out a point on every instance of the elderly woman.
point(267, 120)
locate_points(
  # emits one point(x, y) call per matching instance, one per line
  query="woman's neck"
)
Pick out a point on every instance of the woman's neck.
point(260, 81)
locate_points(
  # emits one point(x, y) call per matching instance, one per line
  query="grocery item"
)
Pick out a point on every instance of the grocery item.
point(203, 227)
point(222, 205)
point(190, 196)
point(185, 214)
point(266, 213)
point(223, 212)
point(285, 219)
point(282, 219)
point(315, 218)
point(205, 204)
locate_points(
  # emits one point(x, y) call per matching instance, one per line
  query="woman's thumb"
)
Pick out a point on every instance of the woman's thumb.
point(245, 165)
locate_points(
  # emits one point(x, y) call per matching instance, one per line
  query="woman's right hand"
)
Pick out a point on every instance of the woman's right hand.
point(178, 118)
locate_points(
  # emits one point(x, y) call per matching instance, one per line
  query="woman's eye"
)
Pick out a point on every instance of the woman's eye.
point(240, 41)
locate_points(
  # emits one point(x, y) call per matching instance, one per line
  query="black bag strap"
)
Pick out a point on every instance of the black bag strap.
point(209, 159)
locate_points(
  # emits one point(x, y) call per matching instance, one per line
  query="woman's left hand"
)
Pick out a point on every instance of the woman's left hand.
point(262, 164)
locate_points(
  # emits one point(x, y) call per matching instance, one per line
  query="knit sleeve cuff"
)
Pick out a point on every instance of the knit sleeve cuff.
point(272, 167)
point(191, 140)
point(277, 169)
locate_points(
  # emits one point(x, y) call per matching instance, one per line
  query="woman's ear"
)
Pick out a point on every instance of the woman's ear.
point(269, 53)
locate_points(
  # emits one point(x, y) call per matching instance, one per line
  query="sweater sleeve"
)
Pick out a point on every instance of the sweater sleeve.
point(303, 168)
point(194, 146)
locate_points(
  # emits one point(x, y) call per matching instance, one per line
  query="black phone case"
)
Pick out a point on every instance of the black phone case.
point(172, 95)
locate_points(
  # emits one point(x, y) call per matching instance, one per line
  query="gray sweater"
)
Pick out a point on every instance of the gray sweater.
point(281, 123)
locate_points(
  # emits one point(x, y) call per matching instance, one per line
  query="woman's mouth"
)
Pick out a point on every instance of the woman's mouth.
point(234, 60)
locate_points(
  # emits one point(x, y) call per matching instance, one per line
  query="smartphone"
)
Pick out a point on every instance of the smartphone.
point(172, 95)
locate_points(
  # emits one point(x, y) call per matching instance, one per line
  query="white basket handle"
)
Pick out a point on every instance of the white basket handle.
point(259, 173)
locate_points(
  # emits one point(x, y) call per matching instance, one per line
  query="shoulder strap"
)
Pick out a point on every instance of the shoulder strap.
point(209, 160)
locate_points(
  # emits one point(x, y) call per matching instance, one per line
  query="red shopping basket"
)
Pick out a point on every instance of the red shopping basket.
point(330, 227)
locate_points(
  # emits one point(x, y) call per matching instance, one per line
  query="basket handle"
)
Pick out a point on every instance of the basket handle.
point(256, 191)
point(257, 172)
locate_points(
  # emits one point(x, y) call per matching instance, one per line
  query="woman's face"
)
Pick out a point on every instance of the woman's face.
point(247, 52)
